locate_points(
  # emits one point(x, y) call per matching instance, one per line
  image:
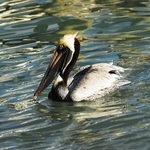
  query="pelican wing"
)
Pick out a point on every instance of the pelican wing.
point(95, 81)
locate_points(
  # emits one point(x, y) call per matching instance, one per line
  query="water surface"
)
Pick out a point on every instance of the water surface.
point(117, 31)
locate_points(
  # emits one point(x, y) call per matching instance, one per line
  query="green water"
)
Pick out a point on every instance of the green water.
point(117, 31)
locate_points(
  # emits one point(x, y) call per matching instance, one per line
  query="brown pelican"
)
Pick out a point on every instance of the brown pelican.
point(89, 83)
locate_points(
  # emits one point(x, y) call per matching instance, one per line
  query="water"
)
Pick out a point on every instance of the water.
point(117, 31)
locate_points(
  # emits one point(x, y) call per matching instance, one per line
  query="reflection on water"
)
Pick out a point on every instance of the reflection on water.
point(118, 32)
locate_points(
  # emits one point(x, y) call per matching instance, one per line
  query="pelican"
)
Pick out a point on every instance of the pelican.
point(88, 83)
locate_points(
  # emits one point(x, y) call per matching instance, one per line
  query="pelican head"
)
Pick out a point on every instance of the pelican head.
point(64, 59)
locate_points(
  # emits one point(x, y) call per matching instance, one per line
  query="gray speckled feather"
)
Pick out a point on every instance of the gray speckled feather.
point(94, 81)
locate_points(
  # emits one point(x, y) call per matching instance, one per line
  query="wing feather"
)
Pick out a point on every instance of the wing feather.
point(95, 81)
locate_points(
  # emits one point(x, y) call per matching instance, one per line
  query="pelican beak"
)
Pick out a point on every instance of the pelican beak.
point(56, 66)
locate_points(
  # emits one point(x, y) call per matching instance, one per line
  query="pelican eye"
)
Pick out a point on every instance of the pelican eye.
point(61, 48)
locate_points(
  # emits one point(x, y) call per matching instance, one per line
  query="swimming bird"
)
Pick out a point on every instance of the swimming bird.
point(88, 83)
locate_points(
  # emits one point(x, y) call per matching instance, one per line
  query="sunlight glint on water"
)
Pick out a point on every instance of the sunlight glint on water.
point(119, 33)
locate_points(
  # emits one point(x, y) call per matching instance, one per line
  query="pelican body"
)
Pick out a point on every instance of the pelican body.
point(88, 83)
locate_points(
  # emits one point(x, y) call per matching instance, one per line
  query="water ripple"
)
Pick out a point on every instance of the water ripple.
point(118, 33)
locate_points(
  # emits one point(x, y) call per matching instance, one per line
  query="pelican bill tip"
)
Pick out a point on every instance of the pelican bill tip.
point(35, 97)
